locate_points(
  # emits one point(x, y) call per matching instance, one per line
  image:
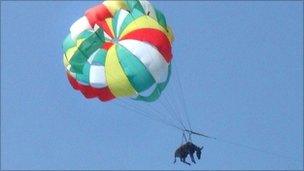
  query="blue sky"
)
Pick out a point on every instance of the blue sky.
point(240, 65)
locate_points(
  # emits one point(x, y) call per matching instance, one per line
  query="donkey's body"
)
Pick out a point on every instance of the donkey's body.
point(185, 149)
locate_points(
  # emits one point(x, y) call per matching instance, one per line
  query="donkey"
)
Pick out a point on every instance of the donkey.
point(185, 149)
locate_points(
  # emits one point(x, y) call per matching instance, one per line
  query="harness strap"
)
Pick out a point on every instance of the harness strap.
point(184, 138)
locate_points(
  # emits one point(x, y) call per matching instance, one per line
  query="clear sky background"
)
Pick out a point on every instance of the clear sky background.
point(241, 68)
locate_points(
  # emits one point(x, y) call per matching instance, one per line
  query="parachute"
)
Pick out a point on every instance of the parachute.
point(123, 48)
point(119, 49)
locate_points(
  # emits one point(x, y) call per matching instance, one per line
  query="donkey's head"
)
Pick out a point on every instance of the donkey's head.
point(199, 152)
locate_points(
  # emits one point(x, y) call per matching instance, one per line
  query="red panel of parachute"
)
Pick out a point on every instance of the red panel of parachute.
point(107, 45)
point(104, 94)
point(106, 28)
point(154, 37)
point(97, 14)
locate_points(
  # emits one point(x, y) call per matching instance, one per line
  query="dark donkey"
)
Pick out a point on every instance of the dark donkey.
point(188, 148)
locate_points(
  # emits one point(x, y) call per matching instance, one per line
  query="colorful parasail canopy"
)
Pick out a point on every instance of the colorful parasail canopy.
point(119, 49)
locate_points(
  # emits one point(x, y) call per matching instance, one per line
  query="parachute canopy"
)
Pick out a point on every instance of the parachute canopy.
point(119, 49)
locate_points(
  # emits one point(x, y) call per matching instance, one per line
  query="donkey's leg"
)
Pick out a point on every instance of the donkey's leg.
point(184, 161)
point(192, 158)
point(187, 163)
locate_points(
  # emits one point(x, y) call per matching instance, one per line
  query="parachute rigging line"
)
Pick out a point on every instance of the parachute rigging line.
point(183, 99)
point(168, 106)
point(143, 113)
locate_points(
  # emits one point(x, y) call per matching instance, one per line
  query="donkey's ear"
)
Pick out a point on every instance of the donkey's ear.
point(202, 147)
